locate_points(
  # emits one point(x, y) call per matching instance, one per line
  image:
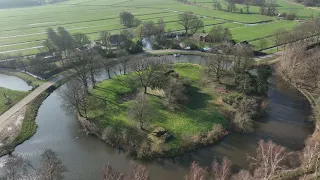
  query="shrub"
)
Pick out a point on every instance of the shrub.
point(243, 122)
point(156, 46)
point(215, 133)
point(250, 106)
point(175, 93)
point(232, 98)
point(135, 48)
point(111, 136)
point(172, 45)
point(186, 82)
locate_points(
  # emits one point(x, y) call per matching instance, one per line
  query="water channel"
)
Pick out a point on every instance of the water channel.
point(287, 123)
point(13, 83)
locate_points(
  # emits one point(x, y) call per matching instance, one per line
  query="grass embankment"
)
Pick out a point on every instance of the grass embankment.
point(195, 118)
point(29, 126)
point(13, 96)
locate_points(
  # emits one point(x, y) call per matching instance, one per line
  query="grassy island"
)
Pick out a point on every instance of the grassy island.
point(195, 119)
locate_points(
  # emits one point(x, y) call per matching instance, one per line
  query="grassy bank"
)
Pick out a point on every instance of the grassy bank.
point(108, 110)
point(29, 125)
point(12, 98)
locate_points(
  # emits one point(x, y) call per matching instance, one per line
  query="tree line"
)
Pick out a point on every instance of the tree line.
point(271, 162)
point(314, 3)
point(304, 34)
point(267, 7)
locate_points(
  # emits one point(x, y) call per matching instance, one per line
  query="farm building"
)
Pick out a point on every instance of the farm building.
point(204, 37)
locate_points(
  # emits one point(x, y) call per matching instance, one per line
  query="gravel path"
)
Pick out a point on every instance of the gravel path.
point(6, 119)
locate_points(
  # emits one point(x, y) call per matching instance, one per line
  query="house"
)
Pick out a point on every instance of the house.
point(203, 37)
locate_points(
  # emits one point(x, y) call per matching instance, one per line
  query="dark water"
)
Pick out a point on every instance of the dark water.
point(13, 83)
point(286, 123)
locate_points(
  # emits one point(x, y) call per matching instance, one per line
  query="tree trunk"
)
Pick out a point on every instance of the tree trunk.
point(108, 71)
point(93, 80)
point(145, 89)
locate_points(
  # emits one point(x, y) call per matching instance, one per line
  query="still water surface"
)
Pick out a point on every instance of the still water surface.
point(13, 83)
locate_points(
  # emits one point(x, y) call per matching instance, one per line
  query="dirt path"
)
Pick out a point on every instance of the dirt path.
point(6, 119)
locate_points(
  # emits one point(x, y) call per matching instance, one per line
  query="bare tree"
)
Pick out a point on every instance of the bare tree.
point(95, 63)
point(221, 171)
point(175, 93)
point(105, 39)
point(160, 32)
point(140, 110)
point(81, 39)
point(145, 69)
point(278, 35)
point(247, 3)
point(196, 172)
point(242, 60)
point(108, 64)
point(124, 63)
point(189, 21)
point(271, 159)
point(21, 62)
point(138, 172)
point(311, 153)
point(242, 175)
point(216, 67)
point(262, 43)
point(16, 168)
point(81, 68)
point(243, 122)
point(51, 166)
point(75, 98)
point(110, 174)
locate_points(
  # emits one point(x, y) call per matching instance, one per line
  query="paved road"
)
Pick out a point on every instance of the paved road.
point(197, 52)
point(6, 115)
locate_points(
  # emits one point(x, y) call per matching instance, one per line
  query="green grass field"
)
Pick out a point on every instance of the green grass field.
point(14, 96)
point(196, 117)
point(22, 30)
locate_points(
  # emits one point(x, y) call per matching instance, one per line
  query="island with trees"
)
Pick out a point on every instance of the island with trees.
point(160, 108)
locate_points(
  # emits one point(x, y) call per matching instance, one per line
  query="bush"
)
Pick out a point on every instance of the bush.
point(250, 106)
point(135, 48)
point(172, 45)
point(243, 122)
point(175, 93)
point(232, 98)
point(215, 133)
point(186, 82)
point(111, 136)
point(156, 46)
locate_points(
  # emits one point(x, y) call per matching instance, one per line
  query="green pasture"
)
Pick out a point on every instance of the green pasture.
point(282, 6)
point(27, 26)
point(14, 96)
point(247, 33)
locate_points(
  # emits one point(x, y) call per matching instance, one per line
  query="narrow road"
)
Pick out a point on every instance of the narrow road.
point(6, 115)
